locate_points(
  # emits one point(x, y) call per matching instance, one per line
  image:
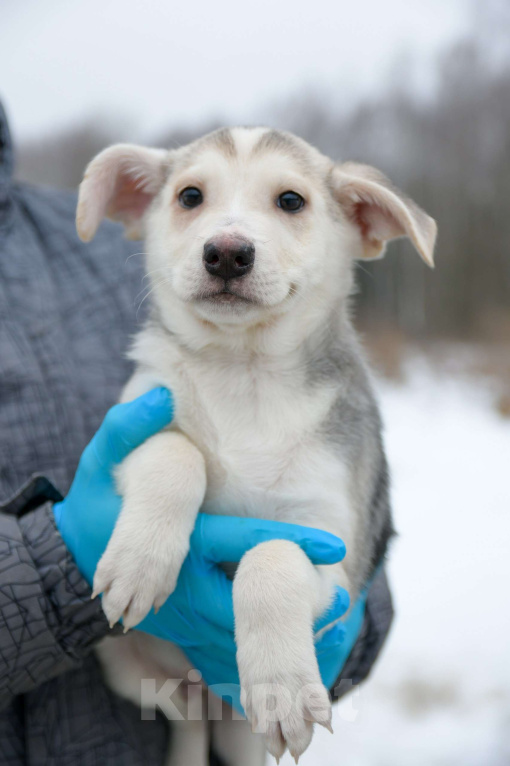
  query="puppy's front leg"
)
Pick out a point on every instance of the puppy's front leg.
point(278, 593)
point(162, 483)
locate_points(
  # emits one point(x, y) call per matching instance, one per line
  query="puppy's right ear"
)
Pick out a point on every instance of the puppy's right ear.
point(120, 183)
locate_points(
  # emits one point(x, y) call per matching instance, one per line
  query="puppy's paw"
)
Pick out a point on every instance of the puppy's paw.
point(285, 706)
point(133, 578)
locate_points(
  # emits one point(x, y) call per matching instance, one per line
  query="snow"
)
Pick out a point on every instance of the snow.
point(440, 693)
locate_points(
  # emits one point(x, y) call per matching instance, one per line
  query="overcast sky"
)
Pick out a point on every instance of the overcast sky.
point(159, 63)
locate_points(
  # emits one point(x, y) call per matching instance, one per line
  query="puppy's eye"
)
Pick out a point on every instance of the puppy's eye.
point(191, 197)
point(290, 201)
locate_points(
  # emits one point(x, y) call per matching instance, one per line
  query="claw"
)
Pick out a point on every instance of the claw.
point(296, 758)
point(277, 760)
point(327, 725)
point(254, 724)
point(94, 595)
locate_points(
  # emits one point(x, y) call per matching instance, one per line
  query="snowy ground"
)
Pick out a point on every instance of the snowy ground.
point(440, 695)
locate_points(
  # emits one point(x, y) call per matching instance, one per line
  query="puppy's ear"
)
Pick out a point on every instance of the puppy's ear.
point(381, 212)
point(120, 183)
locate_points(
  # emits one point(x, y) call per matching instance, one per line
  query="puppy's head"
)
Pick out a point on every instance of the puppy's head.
point(248, 223)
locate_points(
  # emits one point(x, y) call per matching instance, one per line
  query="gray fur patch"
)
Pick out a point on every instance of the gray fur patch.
point(230, 568)
point(220, 139)
point(279, 141)
point(275, 140)
point(333, 357)
point(223, 140)
point(380, 522)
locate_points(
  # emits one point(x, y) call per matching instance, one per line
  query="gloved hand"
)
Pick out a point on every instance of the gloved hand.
point(87, 516)
point(335, 645)
point(198, 616)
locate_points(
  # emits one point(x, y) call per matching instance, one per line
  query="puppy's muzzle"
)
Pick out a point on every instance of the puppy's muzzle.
point(228, 257)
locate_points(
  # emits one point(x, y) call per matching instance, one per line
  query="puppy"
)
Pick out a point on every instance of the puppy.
point(251, 235)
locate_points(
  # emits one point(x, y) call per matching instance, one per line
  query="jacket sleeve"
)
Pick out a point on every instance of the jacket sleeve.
point(375, 628)
point(47, 621)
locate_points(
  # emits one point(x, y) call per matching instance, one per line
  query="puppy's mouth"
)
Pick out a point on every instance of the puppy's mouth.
point(225, 296)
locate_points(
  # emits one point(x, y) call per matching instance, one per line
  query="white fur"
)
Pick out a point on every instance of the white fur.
point(246, 435)
point(140, 566)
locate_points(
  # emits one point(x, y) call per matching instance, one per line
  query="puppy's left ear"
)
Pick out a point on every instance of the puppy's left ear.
point(120, 183)
point(381, 212)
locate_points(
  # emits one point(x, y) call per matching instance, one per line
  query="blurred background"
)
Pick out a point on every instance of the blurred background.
point(421, 89)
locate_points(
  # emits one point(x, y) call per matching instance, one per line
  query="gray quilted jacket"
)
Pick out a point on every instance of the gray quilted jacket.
point(66, 313)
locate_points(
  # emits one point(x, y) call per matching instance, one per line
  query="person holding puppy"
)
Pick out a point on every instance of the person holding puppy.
point(66, 313)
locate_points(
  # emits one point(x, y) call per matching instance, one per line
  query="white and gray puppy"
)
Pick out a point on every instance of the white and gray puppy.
point(251, 236)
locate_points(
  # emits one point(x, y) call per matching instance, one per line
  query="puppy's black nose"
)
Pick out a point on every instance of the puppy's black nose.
point(229, 257)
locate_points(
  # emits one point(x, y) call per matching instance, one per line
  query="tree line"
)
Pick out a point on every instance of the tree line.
point(449, 151)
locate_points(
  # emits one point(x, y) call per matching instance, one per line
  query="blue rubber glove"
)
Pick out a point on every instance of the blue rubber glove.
point(87, 516)
point(335, 645)
point(198, 616)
